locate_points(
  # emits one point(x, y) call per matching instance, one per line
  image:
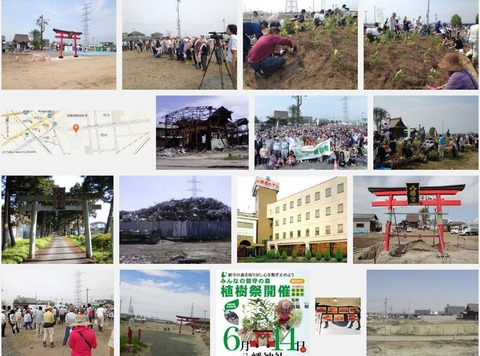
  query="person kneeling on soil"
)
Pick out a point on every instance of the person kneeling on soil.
point(459, 78)
point(261, 56)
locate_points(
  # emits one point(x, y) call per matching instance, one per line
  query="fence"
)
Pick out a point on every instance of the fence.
point(183, 229)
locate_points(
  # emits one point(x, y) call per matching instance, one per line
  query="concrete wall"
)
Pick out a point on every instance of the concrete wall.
point(183, 229)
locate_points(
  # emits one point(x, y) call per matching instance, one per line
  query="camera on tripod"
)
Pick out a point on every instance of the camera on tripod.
point(217, 35)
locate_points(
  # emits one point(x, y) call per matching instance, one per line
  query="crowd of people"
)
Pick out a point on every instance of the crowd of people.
point(78, 323)
point(264, 55)
point(386, 152)
point(195, 49)
point(275, 147)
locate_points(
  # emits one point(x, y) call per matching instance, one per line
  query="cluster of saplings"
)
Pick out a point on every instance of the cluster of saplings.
point(308, 255)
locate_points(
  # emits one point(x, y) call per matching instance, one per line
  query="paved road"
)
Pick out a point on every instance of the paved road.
point(60, 250)
point(421, 338)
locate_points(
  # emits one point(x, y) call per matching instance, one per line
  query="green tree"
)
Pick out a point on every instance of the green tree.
point(327, 256)
point(476, 18)
point(277, 254)
point(294, 254)
point(318, 255)
point(308, 255)
point(284, 255)
point(379, 115)
point(432, 132)
point(35, 36)
point(339, 255)
point(103, 186)
point(456, 21)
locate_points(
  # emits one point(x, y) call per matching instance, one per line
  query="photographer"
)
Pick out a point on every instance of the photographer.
point(260, 56)
point(232, 52)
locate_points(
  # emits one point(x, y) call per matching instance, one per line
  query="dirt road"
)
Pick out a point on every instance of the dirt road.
point(60, 250)
point(210, 160)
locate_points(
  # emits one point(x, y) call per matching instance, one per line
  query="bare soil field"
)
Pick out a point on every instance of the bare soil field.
point(142, 71)
point(166, 343)
point(413, 57)
point(27, 344)
point(45, 71)
point(214, 252)
point(228, 159)
point(422, 348)
point(315, 65)
point(368, 248)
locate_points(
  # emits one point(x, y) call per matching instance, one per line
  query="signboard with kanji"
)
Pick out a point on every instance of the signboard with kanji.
point(59, 198)
point(413, 193)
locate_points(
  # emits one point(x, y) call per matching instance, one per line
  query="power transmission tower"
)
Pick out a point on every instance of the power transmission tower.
point(86, 34)
point(291, 6)
point(345, 100)
point(130, 307)
point(194, 189)
point(78, 289)
point(179, 33)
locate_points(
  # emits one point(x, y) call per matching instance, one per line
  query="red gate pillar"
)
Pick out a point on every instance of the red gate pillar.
point(388, 225)
point(441, 240)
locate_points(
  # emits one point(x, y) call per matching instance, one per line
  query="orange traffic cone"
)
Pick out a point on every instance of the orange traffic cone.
point(335, 165)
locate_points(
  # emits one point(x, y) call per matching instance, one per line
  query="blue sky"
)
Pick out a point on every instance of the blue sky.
point(238, 104)
point(445, 9)
point(20, 16)
point(166, 293)
point(196, 17)
point(422, 289)
point(459, 114)
point(329, 107)
point(362, 198)
point(276, 5)
point(138, 192)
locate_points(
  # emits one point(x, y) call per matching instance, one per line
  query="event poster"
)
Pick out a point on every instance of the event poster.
point(262, 313)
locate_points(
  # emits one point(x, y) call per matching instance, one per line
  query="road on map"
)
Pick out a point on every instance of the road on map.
point(60, 250)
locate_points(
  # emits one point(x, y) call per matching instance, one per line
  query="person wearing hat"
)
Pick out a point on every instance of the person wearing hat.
point(459, 78)
point(82, 339)
point(48, 324)
point(251, 29)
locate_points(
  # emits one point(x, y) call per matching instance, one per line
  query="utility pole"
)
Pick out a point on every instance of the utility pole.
point(428, 12)
point(179, 33)
point(87, 295)
point(366, 17)
point(42, 22)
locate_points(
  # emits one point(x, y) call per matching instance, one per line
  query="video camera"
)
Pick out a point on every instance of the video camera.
point(217, 35)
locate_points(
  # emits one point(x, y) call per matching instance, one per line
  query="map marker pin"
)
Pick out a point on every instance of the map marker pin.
point(75, 128)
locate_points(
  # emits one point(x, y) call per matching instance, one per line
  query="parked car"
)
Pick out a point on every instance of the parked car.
point(465, 231)
point(409, 229)
point(454, 230)
point(474, 231)
point(201, 330)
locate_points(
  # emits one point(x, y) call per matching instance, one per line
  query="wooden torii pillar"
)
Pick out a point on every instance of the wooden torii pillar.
point(58, 199)
point(67, 35)
point(415, 199)
point(190, 319)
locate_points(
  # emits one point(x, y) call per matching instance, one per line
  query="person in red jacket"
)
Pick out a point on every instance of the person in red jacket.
point(261, 58)
point(82, 339)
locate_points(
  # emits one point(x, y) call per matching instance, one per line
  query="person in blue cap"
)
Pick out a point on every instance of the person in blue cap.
point(252, 29)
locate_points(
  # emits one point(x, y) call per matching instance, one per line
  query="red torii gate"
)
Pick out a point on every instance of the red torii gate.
point(190, 319)
point(68, 35)
point(414, 195)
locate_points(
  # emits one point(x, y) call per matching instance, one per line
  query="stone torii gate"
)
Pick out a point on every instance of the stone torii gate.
point(59, 200)
point(417, 196)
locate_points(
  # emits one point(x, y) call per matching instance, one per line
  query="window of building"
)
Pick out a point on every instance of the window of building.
point(276, 236)
point(317, 213)
point(291, 234)
point(284, 207)
point(307, 216)
point(328, 192)
point(284, 235)
point(277, 222)
point(291, 204)
point(340, 228)
point(307, 232)
point(307, 199)
point(299, 202)
point(317, 196)
point(246, 225)
point(340, 188)
point(277, 209)
point(317, 231)
point(299, 233)
point(299, 217)
point(327, 229)
point(291, 219)
point(360, 225)
point(328, 211)
point(340, 208)
point(284, 221)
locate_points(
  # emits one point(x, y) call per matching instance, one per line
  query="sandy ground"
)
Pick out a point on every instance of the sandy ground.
point(27, 344)
point(142, 71)
point(166, 343)
point(422, 338)
point(209, 160)
point(30, 72)
point(168, 252)
point(460, 249)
